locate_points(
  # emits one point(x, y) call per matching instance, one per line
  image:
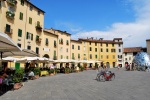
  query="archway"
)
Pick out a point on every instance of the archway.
point(46, 56)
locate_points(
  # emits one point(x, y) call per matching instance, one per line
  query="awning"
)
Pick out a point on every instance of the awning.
point(7, 44)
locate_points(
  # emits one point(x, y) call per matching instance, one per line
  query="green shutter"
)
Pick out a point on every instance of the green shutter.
point(31, 36)
point(19, 32)
point(27, 35)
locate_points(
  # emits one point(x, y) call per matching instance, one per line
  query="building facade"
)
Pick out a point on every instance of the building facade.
point(102, 50)
point(129, 54)
point(24, 23)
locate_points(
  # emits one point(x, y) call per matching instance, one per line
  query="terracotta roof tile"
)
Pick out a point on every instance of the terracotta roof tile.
point(132, 49)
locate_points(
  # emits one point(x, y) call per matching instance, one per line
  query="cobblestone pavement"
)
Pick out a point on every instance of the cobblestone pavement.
point(128, 85)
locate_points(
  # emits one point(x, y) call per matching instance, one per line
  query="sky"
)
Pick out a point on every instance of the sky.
point(107, 19)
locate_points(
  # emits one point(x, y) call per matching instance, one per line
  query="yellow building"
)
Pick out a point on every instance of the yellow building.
point(76, 50)
point(101, 50)
point(63, 43)
point(23, 22)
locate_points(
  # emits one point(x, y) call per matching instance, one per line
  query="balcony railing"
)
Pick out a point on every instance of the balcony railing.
point(10, 14)
point(12, 2)
point(39, 27)
point(38, 39)
point(8, 31)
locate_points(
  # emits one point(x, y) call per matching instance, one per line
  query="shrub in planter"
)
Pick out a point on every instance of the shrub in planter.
point(18, 75)
point(67, 70)
point(51, 71)
point(81, 68)
point(36, 71)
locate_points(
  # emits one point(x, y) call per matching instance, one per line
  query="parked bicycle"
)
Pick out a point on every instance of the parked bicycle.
point(105, 76)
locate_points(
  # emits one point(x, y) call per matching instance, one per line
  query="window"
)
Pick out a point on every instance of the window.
point(61, 56)
point(118, 56)
point(78, 47)
point(67, 57)
point(22, 2)
point(78, 56)
point(38, 12)
point(46, 42)
point(101, 50)
point(106, 44)
point(126, 59)
point(37, 50)
point(72, 55)
point(72, 46)
point(90, 56)
point(21, 16)
point(19, 33)
point(119, 50)
point(54, 43)
point(107, 50)
point(119, 45)
point(125, 54)
point(30, 20)
point(112, 45)
point(29, 47)
point(129, 58)
point(95, 49)
point(8, 28)
point(19, 45)
point(96, 56)
point(95, 44)
point(90, 48)
point(31, 8)
point(90, 43)
point(84, 54)
point(29, 36)
point(67, 42)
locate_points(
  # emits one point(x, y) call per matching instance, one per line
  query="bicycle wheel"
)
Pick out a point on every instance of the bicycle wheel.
point(112, 77)
point(97, 77)
point(102, 78)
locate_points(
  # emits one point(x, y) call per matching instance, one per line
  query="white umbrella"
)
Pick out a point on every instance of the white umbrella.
point(7, 44)
point(62, 61)
point(83, 61)
point(23, 53)
point(74, 61)
point(36, 59)
point(11, 59)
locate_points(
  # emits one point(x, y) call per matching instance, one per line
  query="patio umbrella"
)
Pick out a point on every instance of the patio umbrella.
point(7, 44)
point(10, 59)
point(23, 53)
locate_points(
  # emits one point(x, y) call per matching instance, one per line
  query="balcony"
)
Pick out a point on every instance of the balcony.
point(10, 14)
point(8, 31)
point(39, 27)
point(38, 39)
point(12, 2)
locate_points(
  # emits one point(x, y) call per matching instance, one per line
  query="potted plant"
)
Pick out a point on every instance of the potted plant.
point(67, 70)
point(51, 72)
point(36, 72)
point(17, 78)
point(81, 68)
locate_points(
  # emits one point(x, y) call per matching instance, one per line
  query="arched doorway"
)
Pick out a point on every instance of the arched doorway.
point(46, 56)
point(114, 64)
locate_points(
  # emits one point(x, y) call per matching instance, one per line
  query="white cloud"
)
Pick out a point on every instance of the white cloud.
point(133, 33)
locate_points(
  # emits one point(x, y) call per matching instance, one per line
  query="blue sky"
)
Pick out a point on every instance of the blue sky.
point(108, 19)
